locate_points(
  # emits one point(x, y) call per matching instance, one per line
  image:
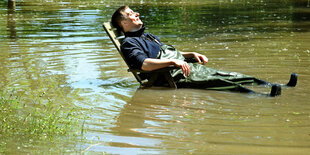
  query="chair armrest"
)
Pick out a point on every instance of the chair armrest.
point(191, 60)
point(154, 71)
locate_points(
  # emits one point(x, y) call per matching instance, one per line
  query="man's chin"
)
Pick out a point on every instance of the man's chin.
point(140, 25)
point(136, 28)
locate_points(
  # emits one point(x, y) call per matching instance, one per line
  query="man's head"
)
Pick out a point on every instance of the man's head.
point(126, 19)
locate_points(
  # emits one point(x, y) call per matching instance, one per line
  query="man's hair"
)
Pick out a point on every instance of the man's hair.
point(118, 16)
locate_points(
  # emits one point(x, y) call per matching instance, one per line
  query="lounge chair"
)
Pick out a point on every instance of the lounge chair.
point(117, 38)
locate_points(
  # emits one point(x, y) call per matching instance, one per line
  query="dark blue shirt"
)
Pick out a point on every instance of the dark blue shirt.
point(136, 47)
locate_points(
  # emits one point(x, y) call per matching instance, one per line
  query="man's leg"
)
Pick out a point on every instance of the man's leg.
point(292, 82)
point(207, 78)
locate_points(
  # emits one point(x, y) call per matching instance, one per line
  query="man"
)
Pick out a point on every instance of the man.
point(145, 51)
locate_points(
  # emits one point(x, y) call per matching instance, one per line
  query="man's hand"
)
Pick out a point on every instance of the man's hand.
point(200, 58)
point(183, 65)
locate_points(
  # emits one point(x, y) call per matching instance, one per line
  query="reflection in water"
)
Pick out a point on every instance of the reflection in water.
point(11, 18)
point(185, 121)
point(63, 51)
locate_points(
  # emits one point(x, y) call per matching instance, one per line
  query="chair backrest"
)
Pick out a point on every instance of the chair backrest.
point(116, 37)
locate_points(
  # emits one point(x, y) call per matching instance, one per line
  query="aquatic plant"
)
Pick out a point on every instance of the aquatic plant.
point(39, 121)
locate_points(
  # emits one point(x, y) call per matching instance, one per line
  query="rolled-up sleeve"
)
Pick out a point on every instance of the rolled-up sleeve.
point(133, 53)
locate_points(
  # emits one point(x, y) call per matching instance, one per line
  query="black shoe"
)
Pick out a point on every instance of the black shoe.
point(293, 80)
point(275, 90)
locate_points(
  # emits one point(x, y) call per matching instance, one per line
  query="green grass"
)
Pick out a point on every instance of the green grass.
point(36, 121)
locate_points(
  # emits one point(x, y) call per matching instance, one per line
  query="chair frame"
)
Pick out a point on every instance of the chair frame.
point(116, 38)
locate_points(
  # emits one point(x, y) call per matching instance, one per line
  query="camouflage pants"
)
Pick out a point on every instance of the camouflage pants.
point(207, 78)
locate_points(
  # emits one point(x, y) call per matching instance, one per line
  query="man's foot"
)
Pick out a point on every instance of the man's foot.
point(275, 90)
point(293, 80)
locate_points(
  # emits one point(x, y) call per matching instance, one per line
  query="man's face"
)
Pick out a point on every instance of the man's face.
point(132, 22)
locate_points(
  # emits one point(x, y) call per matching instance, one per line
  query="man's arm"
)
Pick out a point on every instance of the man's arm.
point(150, 64)
point(199, 57)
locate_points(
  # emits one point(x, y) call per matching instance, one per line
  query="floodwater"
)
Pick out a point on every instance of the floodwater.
point(60, 48)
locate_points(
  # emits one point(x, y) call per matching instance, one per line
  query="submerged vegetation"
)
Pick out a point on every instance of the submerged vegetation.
point(39, 121)
point(44, 120)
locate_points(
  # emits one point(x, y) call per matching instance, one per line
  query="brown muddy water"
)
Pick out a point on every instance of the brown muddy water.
point(58, 47)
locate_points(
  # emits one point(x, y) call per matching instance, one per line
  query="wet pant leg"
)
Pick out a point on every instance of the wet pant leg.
point(208, 78)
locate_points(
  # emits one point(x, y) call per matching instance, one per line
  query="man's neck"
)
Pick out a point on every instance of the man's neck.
point(135, 33)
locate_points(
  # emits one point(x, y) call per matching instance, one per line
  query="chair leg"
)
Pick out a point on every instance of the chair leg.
point(151, 81)
point(170, 80)
point(137, 77)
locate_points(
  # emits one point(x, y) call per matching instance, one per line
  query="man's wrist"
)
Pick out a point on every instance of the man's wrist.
point(172, 62)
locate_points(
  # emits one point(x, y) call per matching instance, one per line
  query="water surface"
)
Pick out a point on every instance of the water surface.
point(59, 48)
